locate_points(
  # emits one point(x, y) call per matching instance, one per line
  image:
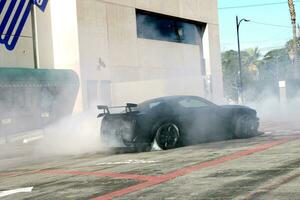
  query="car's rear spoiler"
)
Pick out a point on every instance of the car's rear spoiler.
point(128, 108)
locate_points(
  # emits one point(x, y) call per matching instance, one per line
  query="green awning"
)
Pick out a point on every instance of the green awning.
point(23, 76)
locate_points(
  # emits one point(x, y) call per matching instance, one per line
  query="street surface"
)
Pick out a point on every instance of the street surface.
point(265, 167)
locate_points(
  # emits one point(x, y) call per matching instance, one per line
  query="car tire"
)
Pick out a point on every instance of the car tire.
point(167, 135)
point(143, 148)
point(246, 126)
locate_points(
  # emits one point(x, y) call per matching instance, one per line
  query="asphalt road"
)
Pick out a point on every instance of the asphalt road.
point(265, 167)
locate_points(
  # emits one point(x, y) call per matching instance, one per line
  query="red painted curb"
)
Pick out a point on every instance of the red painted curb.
point(7, 174)
point(221, 160)
point(187, 170)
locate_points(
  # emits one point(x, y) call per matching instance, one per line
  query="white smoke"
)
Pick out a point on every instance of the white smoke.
point(271, 108)
point(73, 135)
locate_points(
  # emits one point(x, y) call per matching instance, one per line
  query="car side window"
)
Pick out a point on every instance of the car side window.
point(192, 103)
point(154, 104)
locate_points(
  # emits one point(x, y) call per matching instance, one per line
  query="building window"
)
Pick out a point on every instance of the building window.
point(165, 28)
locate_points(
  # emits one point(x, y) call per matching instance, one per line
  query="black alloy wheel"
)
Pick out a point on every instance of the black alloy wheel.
point(167, 136)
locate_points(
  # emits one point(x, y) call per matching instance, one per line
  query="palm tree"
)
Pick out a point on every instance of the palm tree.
point(251, 61)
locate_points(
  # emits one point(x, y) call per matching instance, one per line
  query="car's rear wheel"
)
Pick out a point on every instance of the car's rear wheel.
point(167, 135)
point(246, 126)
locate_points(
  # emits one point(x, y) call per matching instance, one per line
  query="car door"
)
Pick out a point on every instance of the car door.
point(201, 120)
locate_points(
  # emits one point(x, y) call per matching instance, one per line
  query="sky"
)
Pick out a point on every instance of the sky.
point(252, 34)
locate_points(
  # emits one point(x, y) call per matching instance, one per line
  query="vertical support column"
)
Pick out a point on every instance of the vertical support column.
point(282, 96)
point(212, 55)
point(65, 40)
point(34, 38)
point(282, 92)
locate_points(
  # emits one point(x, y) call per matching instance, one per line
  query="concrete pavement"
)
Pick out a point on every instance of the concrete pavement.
point(265, 167)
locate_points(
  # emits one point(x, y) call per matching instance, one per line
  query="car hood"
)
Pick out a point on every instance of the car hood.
point(239, 108)
point(235, 106)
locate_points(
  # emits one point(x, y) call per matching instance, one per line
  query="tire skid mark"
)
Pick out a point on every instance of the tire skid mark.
point(190, 169)
point(269, 187)
point(14, 174)
point(99, 174)
point(148, 181)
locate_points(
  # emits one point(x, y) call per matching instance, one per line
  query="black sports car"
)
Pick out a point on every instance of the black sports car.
point(175, 121)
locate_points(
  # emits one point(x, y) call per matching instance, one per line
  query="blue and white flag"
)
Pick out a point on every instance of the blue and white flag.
point(42, 4)
point(13, 17)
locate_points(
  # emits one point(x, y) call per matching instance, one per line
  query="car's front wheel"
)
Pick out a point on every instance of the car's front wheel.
point(246, 126)
point(167, 135)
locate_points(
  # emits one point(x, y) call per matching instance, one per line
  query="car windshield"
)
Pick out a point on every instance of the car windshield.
point(186, 102)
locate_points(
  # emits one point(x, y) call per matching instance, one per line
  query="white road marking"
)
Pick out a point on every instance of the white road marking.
point(296, 131)
point(32, 139)
point(128, 162)
point(10, 192)
point(285, 130)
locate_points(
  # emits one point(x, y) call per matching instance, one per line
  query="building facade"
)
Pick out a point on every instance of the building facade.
point(127, 50)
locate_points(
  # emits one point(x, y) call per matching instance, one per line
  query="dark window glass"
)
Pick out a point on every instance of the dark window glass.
point(165, 28)
point(148, 105)
point(194, 102)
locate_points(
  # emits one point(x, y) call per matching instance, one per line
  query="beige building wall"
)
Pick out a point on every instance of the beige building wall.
point(22, 55)
point(57, 39)
point(98, 39)
point(110, 50)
